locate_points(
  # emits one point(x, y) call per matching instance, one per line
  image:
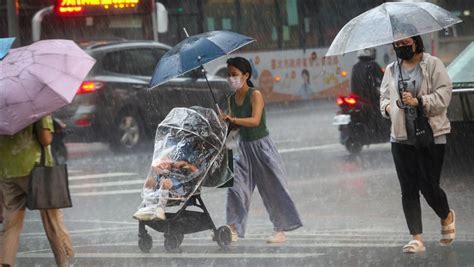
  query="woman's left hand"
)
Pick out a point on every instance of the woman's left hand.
point(409, 100)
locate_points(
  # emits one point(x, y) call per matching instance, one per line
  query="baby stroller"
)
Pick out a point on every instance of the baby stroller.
point(198, 133)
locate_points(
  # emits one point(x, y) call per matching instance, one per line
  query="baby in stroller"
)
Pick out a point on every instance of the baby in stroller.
point(159, 188)
point(171, 177)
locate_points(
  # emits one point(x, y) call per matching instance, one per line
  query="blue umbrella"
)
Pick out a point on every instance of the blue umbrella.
point(5, 44)
point(195, 51)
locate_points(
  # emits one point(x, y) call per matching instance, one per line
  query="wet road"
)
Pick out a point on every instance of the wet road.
point(350, 207)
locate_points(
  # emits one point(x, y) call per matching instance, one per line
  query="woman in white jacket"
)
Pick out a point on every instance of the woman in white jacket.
point(418, 168)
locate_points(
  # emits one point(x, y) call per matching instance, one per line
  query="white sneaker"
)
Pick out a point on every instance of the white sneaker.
point(159, 214)
point(145, 213)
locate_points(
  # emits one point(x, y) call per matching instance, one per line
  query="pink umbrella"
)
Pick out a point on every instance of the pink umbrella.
point(39, 79)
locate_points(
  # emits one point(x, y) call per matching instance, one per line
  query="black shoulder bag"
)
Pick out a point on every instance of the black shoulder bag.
point(49, 186)
point(423, 131)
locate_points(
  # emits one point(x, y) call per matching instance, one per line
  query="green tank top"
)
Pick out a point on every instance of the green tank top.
point(245, 111)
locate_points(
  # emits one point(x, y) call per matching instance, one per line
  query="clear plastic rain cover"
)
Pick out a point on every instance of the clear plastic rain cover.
point(190, 150)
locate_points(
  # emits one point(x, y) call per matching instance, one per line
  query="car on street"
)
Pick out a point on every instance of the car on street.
point(114, 104)
point(460, 146)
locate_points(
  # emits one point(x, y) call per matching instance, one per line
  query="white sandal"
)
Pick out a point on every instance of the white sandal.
point(448, 232)
point(414, 246)
point(278, 237)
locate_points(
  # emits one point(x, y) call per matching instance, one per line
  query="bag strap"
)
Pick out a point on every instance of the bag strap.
point(419, 108)
point(43, 152)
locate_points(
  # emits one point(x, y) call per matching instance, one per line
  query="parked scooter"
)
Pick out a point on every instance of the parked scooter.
point(58, 148)
point(360, 123)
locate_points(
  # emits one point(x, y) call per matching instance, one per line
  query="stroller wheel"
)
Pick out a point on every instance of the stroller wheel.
point(173, 241)
point(223, 236)
point(145, 243)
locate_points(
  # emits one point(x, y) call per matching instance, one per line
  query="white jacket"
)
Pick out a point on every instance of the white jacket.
point(435, 92)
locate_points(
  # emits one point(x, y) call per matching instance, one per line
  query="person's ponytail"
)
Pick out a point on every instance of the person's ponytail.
point(249, 83)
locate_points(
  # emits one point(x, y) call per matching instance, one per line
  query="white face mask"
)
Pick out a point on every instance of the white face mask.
point(235, 82)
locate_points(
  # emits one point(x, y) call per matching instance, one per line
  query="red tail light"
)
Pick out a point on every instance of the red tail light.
point(89, 87)
point(83, 122)
point(346, 100)
point(350, 100)
point(340, 100)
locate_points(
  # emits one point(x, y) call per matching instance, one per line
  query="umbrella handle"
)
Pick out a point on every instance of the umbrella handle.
point(402, 86)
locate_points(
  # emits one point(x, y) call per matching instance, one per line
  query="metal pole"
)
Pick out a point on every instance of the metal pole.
point(154, 19)
point(36, 22)
point(301, 22)
point(200, 16)
point(12, 16)
point(435, 36)
point(279, 24)
point(238, 14)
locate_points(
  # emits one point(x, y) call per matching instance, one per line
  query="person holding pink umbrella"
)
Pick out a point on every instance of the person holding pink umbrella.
point(20, 153)
point(35, 81)
point(5, 45)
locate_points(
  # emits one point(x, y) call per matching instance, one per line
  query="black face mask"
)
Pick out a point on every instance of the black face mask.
point(404, 52)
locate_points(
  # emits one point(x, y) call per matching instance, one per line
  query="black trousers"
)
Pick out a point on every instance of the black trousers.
point(419, 169)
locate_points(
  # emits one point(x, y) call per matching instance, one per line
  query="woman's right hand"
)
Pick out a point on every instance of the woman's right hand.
point(225, 117)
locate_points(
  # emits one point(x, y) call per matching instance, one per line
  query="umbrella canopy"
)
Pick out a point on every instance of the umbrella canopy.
point(195, 51)
point(38, 79)
point(5, 45)
point(388, 23)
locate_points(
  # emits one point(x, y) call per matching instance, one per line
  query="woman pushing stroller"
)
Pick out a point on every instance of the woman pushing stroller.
point(259, 163)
